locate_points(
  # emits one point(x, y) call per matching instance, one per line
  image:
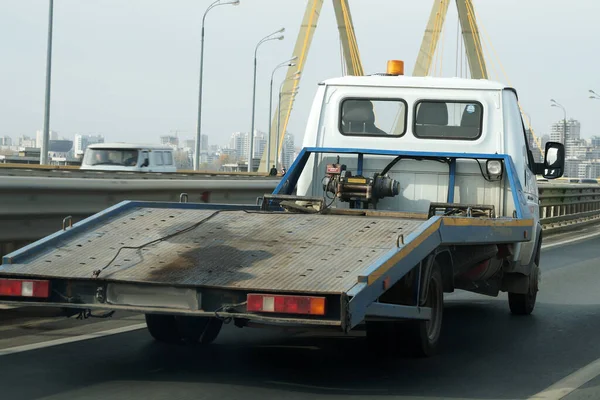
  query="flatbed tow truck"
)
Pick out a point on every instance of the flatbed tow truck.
point(368, 228)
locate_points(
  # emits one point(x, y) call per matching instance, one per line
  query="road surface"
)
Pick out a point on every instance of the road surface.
point(487, 353)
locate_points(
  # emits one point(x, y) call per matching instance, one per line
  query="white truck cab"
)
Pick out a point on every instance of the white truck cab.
point(128, 157)
point(429, 114)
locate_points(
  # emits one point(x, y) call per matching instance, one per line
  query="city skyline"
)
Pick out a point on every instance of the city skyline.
point(147, 93)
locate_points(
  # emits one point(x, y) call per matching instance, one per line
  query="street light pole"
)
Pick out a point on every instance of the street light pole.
point(263, 40)
point(46, 132)
point(287, 63)
point(199, 122)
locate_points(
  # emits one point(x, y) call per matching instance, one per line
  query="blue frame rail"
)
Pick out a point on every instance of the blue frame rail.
point(290, 180)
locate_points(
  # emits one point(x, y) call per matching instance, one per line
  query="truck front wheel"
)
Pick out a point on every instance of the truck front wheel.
point(523, 303)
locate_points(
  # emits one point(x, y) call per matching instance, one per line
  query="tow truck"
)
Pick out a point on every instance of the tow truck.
point(406, 188)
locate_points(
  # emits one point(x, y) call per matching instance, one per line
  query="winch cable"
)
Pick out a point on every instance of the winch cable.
point(96, 273)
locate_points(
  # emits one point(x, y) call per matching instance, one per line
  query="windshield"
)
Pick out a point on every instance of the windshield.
point(119, 157)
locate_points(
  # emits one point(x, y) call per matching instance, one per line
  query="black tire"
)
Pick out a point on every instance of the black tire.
point(422, 338)
point(381, 336)
point(415, 338)
point(523, 304)
point(201, 330)
point(163, 328)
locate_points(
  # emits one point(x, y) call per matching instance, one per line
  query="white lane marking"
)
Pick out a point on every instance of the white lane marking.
point(567, 241)
point(50, 343)
point(571, 383)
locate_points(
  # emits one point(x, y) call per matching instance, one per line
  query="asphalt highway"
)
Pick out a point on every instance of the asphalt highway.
point(487, 353)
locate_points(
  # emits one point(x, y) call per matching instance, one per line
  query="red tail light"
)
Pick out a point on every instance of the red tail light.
point(24, 288)
point(286, 304)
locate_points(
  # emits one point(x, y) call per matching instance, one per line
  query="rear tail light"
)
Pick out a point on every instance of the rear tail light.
point(286, 304)
point(24, 288)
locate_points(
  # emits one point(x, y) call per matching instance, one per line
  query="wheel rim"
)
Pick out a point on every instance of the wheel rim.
point(434, 300)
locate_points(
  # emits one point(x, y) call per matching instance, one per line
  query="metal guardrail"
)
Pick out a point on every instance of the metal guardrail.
point(568, 206)
point(34, 207)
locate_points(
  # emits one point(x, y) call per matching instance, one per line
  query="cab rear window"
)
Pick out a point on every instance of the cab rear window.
point(448, 120)
point(373, 117)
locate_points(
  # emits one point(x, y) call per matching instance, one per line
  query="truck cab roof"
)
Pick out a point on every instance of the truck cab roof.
point(428, 82)
point(121, 145)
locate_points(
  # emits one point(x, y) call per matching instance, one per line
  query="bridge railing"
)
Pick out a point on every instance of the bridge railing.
point(564, 205)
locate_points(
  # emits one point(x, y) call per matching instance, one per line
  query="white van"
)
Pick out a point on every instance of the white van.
point(128, 157)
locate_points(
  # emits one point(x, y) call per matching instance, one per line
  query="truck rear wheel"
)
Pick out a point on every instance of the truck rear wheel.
point(201, 330)
point(524, 303)
point(178, 329)
point(162, 328)
point(422, 337)
point(417, 338)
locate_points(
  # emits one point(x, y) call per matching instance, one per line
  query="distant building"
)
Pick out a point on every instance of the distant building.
point(558, 134)
point(545, 139)
point(6, 141)
point(582, 169)
point(287, 151)
point(204, 143)
point(189, 144)
point(240, 143)
point(81, 142)
point(169, 140)
point(39, 137)
point(26, 141)
point(260, 144)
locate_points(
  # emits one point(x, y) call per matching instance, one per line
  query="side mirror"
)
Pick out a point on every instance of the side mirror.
point(146, 162)
point(554, 161)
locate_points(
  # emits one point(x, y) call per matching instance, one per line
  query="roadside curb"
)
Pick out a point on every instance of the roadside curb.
point(551, 229)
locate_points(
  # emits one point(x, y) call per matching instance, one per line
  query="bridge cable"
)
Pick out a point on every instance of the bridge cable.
point(353, 44)
point(442, 38)
point(475, 32)
point(476, 42)
point(431, 45)
point(487, 37)
point(457, 39)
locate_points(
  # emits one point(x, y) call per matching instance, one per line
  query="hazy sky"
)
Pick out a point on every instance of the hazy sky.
point(129, 69)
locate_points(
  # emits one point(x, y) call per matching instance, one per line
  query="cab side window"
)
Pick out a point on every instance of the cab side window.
point(168, 158)
point(514, 118)
point(158, 157)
